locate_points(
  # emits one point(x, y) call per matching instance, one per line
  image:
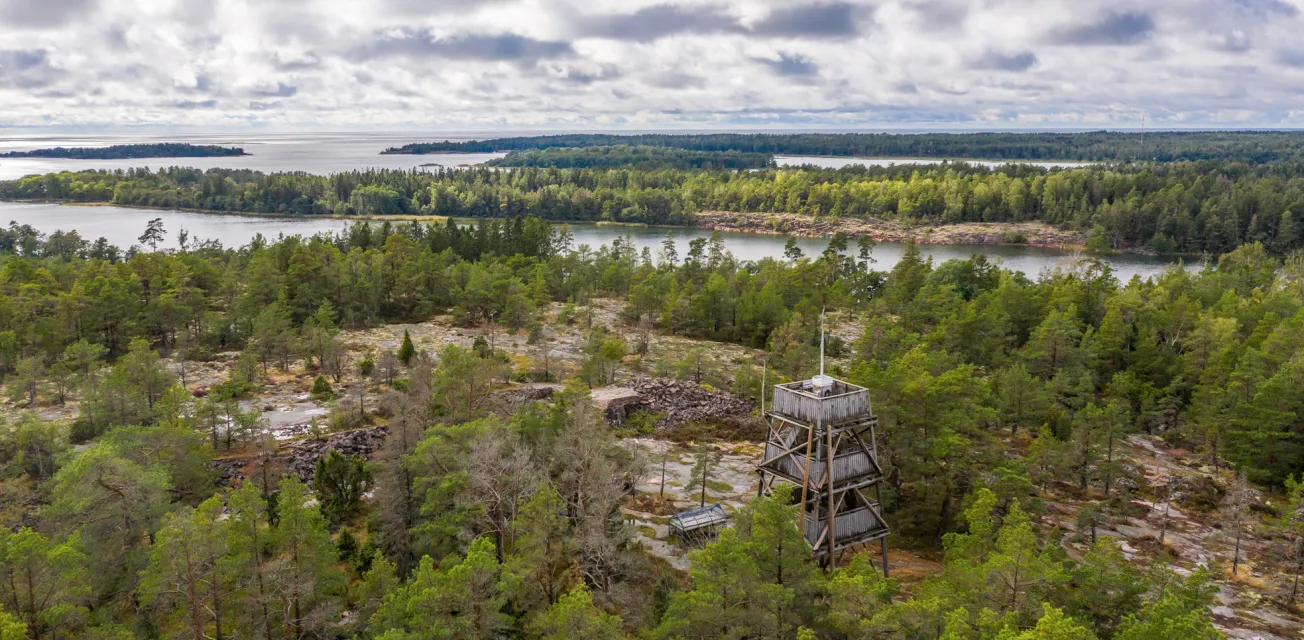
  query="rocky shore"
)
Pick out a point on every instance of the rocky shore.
point(1034, 234)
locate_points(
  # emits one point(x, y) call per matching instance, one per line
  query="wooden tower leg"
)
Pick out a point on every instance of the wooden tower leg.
point(830, 453)
point(878, 494)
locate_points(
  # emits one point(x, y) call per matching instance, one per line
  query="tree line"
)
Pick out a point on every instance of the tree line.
point(640, 157)
point(1094, 146)
point(1183, 207)
point(121, 151)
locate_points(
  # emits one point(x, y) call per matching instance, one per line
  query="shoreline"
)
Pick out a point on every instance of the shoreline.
point(1035, 234)
point(398, 217)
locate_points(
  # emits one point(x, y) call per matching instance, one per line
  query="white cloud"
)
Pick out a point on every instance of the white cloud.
point(649, 63)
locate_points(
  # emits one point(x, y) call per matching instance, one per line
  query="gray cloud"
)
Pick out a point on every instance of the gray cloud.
point(507, 46)
point(572, 74)
point(658, 21)
point(940, 15)
point(994, 60)
point(426, 7)
point(820, 19)
point(194, 104)
point(282, 90)
point(295, 62)
point(1112, 29)
point(1291, 57)
point(833, 19)
point(582, 64)
point(42, 13)
point(14, 61)
point(27, 69)
point(677, 80)
point(793, 65)
point(1268, 7)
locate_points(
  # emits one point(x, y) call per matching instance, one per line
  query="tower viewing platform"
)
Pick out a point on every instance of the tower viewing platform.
point(829, 402)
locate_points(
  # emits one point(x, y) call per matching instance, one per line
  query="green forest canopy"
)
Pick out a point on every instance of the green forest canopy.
point(1096, 146)
point(1208, 206)
point(639, 157)
point(121, 151)
point(957, 356)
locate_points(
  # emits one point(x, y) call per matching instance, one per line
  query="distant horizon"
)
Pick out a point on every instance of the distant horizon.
point(159, 131)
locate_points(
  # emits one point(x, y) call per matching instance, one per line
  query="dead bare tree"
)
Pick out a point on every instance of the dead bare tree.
point(386, 368)
point(1237, 513)
point(590, 479)
point(334, 360)
point(398, 507)
point(500, 477)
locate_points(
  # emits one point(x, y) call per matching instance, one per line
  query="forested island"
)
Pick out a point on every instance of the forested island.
point(128, 151)
point(1070, 458)
point(1098, 146)
point(1210, 206)
point(643, 158)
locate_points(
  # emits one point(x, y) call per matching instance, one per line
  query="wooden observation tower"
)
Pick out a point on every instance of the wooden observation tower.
point(815, 422)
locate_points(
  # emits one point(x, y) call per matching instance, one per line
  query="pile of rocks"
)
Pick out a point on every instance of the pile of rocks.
point(227, 471)
point(361, 442)
point(684, 402)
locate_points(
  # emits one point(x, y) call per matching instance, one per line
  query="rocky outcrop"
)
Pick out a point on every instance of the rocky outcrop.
point(302, 459)
point(684, 402)
point(617, 403)
point(1025, 233)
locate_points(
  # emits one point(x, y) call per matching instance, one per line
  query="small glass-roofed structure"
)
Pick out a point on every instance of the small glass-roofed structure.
point(697, 522)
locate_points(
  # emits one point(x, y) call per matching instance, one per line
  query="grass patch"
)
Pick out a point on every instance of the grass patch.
point(726, 430)
point(647, 531)
point(653, 504)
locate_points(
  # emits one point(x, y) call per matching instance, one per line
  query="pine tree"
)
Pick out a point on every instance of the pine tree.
point(44, 583)
point(538, 567)
point(1181, 611)
point(248, 540)
point(1106, 587)
point(465, 602)
point(309, 581)
point(1053, 625)
point(186, 577)
point(1022, 398)
point(377, 581)
point(339, 482)
point(724, 598)
point(575, 617)
point(1019, 570)
point(704, 461)
point(114, 504)
point(857, 593)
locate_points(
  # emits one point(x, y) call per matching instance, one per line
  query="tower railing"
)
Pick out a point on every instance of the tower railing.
point(844, 402)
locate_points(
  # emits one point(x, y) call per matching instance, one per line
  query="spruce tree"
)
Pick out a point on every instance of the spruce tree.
point(407, 351)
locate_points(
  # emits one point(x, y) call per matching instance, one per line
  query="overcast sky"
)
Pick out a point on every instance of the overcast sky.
point(476, 64)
